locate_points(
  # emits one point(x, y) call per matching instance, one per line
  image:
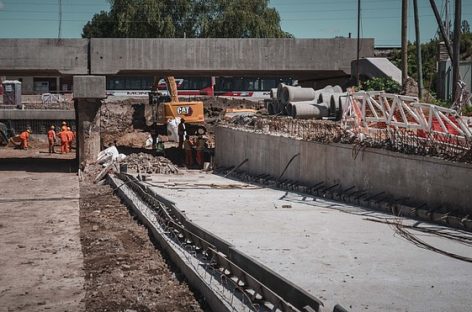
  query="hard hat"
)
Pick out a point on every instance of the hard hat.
point(68, 128)
point(64, 123)
point(28, 130)
point(52, 127)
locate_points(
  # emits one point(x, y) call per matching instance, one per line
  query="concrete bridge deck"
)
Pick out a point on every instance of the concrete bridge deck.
point(219, 56)
point(336, 252)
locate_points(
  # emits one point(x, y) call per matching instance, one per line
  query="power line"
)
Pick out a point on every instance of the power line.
point(285, 12)
point(282, 19)
point(91, 4)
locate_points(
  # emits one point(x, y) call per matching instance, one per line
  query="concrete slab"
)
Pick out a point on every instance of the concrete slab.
point(41, 258)
point(335, 251)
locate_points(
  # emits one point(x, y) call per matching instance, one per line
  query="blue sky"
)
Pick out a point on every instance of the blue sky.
point(303, 18)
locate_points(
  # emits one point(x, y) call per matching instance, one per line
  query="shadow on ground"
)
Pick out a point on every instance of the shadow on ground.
point(31, 164)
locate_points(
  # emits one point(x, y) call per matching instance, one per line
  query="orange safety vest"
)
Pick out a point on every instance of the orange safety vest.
point(63, 136)
point(70, 135)
point(51, 135)
point(24, 135)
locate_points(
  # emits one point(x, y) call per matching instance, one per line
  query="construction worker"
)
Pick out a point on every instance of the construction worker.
point(64, 126)
point(70, 139)
point(51, 139)
point(181, 130)
point(64, 136)
point(188, 145)
point(200, 147)
point(24, 137)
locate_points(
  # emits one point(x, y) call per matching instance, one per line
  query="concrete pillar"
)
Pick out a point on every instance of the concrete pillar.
point(58, 85)
point(88, 93)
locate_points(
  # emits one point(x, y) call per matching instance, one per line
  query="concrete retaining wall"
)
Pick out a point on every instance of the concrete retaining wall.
point(36, 114)
point(436, 182)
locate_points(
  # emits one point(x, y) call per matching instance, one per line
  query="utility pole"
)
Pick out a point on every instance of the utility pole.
point(59, 35)
point(456, 45)
point(446, 19)
point(404, 41)
point(419, 62)
point(358, 81)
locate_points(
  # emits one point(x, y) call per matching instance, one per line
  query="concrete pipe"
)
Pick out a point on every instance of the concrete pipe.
point(279, 91)
point(337, 89)
point(302, 110)
point(277, 107)
point(294, 104)
point(270, 108)
point(326, 97)
point(282, 108)
point(273, 93)
point(296, 94)
point(342, 106)
point(288, 109)
point(328, 89)
point(343, 102)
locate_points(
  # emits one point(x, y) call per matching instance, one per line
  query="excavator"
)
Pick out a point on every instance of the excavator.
point(167, 107)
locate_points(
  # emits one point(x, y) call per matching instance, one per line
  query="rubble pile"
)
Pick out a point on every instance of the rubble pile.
point(147, 163)
point(117, 117)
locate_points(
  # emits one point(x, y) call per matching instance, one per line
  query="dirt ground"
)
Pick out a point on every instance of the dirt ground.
point(123, 270)
point(70, 246)
point(40, 253)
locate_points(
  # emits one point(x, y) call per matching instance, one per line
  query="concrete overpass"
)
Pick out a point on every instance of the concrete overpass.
point(299, 58)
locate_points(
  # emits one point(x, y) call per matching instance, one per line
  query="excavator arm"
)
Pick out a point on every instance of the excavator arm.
point(172, 88)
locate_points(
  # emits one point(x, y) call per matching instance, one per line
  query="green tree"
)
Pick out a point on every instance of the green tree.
point(186, 18)
point(382, 84)
point(429, 52)
point(100, 26)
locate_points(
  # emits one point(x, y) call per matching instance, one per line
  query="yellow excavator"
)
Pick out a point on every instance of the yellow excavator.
point(167, 107)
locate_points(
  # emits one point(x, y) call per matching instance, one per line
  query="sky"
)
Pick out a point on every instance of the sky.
point(302, 18)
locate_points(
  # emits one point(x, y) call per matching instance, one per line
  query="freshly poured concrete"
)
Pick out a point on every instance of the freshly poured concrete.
point(328, 248)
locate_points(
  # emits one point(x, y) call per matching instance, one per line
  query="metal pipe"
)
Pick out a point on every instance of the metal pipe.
point(288, 164)
point(237, 167)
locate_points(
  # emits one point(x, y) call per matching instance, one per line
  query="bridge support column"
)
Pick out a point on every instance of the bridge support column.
point(88, 93)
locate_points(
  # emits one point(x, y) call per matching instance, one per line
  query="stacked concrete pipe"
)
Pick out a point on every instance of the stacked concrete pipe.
point(296, 94)
point(305, 103)
point(309, 109)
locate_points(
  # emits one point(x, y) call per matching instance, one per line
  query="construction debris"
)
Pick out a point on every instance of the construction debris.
point(147, 163)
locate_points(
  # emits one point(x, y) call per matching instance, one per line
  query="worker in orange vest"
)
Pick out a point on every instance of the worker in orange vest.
point(64, 136)
point(70, 139)
point(51, 140)
point(64, 126)
point(24, 137)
